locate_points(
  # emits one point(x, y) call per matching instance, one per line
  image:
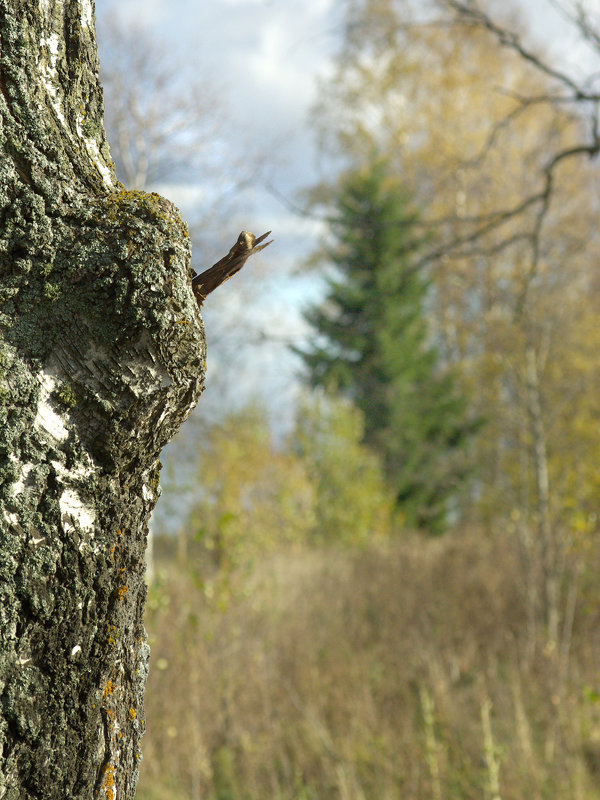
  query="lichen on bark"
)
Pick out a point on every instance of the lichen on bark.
point(101, 359)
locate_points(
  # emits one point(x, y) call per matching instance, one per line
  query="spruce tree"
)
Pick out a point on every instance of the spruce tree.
point(373, 345)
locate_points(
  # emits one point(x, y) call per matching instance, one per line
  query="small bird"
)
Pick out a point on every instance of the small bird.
point(247, 244)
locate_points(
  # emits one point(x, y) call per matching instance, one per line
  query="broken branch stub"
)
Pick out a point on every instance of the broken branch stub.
point(247, 244)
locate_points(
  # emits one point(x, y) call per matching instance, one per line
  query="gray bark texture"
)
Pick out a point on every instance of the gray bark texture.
point(102, 357)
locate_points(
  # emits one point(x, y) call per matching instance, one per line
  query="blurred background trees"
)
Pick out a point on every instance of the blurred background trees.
point(373, 345)
point(324, 648)
point(508, 200)
point(162, 127)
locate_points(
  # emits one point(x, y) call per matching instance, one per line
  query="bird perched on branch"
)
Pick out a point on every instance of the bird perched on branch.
point(247, 244)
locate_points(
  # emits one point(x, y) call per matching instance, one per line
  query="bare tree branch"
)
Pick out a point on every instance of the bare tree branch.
point(209, 280)
point(579, 95)
point(581, 18)
point(472, 15)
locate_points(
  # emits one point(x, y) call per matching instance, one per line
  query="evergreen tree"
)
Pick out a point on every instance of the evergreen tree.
point(373, 346)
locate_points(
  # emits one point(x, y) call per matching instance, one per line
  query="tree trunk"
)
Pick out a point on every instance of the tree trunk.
point(547, 536)
point(101, 360)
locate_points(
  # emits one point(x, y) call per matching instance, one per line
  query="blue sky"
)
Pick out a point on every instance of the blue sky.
point(263, 55)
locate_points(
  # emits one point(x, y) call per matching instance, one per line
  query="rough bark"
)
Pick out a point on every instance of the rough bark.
point(101, 359)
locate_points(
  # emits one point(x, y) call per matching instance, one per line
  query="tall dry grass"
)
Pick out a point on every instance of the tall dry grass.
point(398, 672)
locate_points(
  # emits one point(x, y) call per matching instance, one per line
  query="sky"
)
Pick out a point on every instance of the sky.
point(264, 56)
point(264, 53)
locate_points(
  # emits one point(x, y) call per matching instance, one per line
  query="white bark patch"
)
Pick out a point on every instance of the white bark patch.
point(45, 8)
point(74, 513)
point(49, 74)
point(91, 145)
point(146, 377)
point(79, 473)
point(50, 80)
point(47, 421)
point(94, 151)
point(86, 14)
point(163, 414)
point(142, 371)
point(19, 485)
point(11, 518)
point(190, 408)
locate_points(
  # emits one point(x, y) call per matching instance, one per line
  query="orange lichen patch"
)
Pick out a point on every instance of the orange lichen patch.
point(132, 714)
point(111, 633)
point(109, 781)
point(122, 591)
point(108, 689)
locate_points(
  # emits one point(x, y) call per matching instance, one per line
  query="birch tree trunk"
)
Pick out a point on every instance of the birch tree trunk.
point(549, 549)
point(101, 360)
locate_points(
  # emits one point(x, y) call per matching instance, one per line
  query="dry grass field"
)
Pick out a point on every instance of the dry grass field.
point(404, 671)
